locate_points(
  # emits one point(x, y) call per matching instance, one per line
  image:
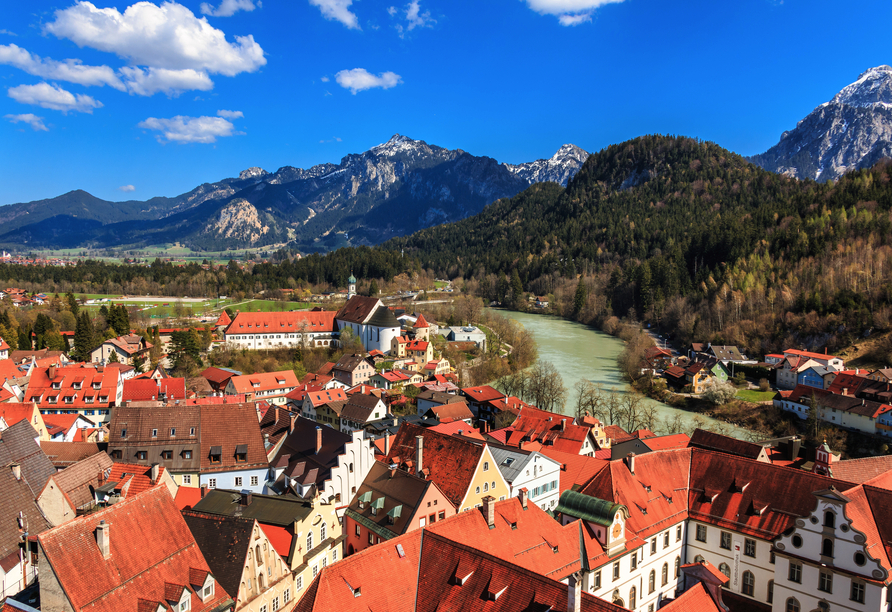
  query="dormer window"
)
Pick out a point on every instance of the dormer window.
point(168, 454)
point(154, 433)
point(141, 455)
point(187, 454)
point(123, 433)
point(173, 431)
point(57, 385)
point(103, 399)
point(241, 453)
point(77, 386)
point(216, 454)
point(97, 385)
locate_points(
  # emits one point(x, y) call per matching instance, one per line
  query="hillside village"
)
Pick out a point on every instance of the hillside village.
point(380, 482)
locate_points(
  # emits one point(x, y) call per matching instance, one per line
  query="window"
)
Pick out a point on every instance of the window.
point(286, 596)
point(825, 582)
point(187, 454)
point(478, 490)
point(358, 530)
point(652, 581)
point(857, 592)
point(238, 481)
point(334, 555)
point(795, 574)
point(725, 541)
point(749, 583)
point(208, 591)
point(300, 583)
point(442, 515)
point(154, 433)
point(598, 579)
point(678, 534)
point(666, 540)
point(322, 532)
point(829, 519)
point(310, 542)
point(616, 571)
point(771, 591)
point(749, 547)
point(653, 546)
point(665, 575)
point(141, 455)
point(254, 481)
point(827, 548)
point(725, 569)
point(486, 488)
point(324, 561)
point(701, 533)
point(792, 605)
point(263, 608)
point(371, 538)
point(187, 479)
point(275, 604)
point(486, 466)
point(633, 599)
point(184, 605)
point(698, 559)
point(634, 561)
point(173, 431)
point(315, 570)
point(677, 565)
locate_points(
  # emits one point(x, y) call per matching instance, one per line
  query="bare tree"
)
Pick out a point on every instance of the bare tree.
point(546, 387)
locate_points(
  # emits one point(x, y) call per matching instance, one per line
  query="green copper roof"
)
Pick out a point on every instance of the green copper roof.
point(587, 508)
point(351, 280)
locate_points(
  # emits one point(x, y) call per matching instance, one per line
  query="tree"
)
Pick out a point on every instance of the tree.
point(139, 362)
point(580, 297)
point(11, 339)
point(546, 387)
point(73, 304)
point(720, 393)
point(113, 357)
point(373, 288)
point(84, 337)
point(516, 288)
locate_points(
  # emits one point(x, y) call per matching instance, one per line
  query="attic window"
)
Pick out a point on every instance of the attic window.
point(173, 431)
point(97, 384)
point(57, 385)
point(168, 454)
point(216, 454)
point(154, 433)
point(123, 433)
point(241, 453)
point(141, 455)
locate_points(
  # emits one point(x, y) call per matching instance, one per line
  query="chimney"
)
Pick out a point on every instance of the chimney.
point(318, 439)
point(100, 369)
point(489, 511)
point(204, 491)
point(155, 473)
point(845, 390)
point(102, 539)
point(291, 424)
point(574, 593)
point(246, 499)
point(630, 461)
point(563, 424)
point(277, 415)
point(387, 442)
point(51, 372)
point(523, 497)
point(419, 451)
point(16, 470)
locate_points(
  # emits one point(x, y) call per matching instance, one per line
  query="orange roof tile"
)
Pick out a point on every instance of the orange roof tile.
point(282, 322)
point(264, 381)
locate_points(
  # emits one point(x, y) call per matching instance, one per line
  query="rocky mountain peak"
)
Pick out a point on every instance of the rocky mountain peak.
point(253, 172)
point(873, 87)
point(560, 168)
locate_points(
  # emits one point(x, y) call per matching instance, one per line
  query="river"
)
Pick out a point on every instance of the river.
point(579, 351)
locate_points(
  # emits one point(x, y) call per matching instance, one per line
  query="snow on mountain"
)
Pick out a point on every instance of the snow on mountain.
point(851, 131)
point(560, 168)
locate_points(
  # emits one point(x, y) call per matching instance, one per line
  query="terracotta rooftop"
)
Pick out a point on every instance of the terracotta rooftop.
point(63, 454)
point(264, 381)
point(282, 322)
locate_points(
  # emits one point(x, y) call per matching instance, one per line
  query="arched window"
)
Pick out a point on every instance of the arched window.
point(485, 487)
point(633, 598)
point(792, 605)
point(257, 552)
point(665, 575)
point(260, 581)
point(486, 466)
point(322, 532)
point(477, 490)
point(618, 600)
point(829, 519)
point(652, 581)
point(677, 565)
point(749, 583)
point(771, 591)
point(725, 569)
point(309, 541)
point(827, 548)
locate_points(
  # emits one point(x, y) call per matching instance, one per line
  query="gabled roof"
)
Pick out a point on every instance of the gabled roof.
point(809, 355)
point(264, 381)
point(18, 445)
point(63, 454)
point(147, 389)
point(150, 547)
point(455, 411)
point(483, 393)
point(298, 456)
point(132, 479)
point(282, 322)
point(231, 426)
point(13, 412)
point(862, 470)
point(94, 382)
point(449, 461)
point(77, 481)
point(219, 376)
point(396, 496)
point(725, 444)
point(317, 398)
point(281, 510)
point(358, 309)
point(349, 363)
point(224, 541)
point(130, 344)
point(457, 428)
point(576, 470)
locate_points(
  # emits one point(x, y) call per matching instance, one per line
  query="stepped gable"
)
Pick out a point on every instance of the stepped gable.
point(150, 550)
point(449, 461)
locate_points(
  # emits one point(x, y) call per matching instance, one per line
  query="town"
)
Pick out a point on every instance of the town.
point(381, 482)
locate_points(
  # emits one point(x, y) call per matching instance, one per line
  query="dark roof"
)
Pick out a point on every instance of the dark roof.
point(63, 454)
point(357, 309)
point(724, 444)
point(18, 445)
point(231, 426)
point(224, 541)
point(17, 497)
point(383, 317)
point(349, 363)
point(438, 397)
point(298, 452)
point(138, 423)
point(397, 493)
point(281, 510)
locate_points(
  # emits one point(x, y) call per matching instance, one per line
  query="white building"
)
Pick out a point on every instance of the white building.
point(272, 330)
point(371, 321)
point(533, 471)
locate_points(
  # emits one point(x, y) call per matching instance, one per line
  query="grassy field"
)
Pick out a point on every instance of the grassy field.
point(751, 395)
point(163, 308)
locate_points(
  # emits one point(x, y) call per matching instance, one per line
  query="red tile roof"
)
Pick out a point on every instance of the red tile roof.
point(187, 497)
point(223, 320)
point(417, 345)
point(94, 384)
point(358, 308)
point(317, 398)
point(63, 454)
point(130, 344)
point(450, 461)
point(282, 322)
point(228, 427)
point(133, 478)
point(150, 547)
point(484, 393)
point(13, 412)
point(264, 381)
point(666, 442)
point(218, 376)
point(862, 470)
point(420, 322)
point(576, 470)
point(695, 599)
point(456, 411)
point(147, 389)
point(810, 355)
point(455, 427)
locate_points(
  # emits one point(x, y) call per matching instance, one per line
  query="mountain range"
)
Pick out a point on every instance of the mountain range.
point(390, 190)
point(850, 132)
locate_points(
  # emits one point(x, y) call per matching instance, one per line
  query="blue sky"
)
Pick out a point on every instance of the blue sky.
point(135, 100)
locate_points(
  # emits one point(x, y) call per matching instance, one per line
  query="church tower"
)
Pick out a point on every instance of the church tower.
point(351, 286)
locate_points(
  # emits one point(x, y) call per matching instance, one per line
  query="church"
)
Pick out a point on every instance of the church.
point(371, 321)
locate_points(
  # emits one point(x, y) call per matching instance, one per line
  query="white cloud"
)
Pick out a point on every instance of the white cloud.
point(325, 79)
point(7, 32)
point(149, 81)
point(228, 114)
point(34, 121)
point(338, 10)
point(360, 79)
point(126, 188)
point(227, 8)
point(184, 130)
point(53, 97)
point(569, 12)
point(169, 36)
point(416, 18)
point(391, 10)
point(70, 70)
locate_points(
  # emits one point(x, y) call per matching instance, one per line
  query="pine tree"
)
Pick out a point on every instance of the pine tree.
point(84, 337)
point(113, 357)
point(580, 297)
point(73, 305)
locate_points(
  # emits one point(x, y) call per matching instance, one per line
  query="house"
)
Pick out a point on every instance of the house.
point(269, 386)
point(819, 377)
point(430, 399)
point(448, 413)
point(218, 378)
point(389, 380)
point(13, 412)
point(313, 457)
point(69, 493)
point(20, 520)
point(436, 367)
point(464, 334)
point(313, 400)
point(243, 557)
point(4, 349)
point(656, 358)
point(352, 370)
point(66, 427)
point(478, 397)
point(547, 429)
point(420, 351)
point(534, 472)
point(124, 348)
point(137, 554)
point(151, 389)
point(215, 445)
point(465, 470)
point(63, 454)
point(19, 445)
point(389, 503)
point(796, 362)
point(306, 533)
point(128, 479)
point(270, 330)
point(370, 321)
point(90, 391)
point(360, 410)
point(223, 321)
